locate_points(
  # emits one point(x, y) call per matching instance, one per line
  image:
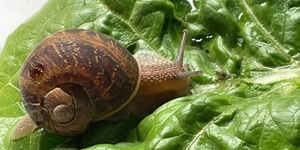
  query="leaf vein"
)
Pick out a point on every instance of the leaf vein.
point(261, 27)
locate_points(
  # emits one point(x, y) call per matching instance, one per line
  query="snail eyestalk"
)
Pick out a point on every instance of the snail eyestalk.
point(181, 48)
point(179, 60)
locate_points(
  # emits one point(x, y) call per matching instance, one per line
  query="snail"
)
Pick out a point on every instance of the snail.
point(77, 76)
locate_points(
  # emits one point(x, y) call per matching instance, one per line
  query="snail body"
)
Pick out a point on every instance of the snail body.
point(77, 76)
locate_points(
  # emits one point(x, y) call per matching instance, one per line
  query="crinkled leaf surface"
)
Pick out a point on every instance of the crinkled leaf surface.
point(247, 97)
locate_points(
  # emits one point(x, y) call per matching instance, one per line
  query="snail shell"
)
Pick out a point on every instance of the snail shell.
point(77, 76)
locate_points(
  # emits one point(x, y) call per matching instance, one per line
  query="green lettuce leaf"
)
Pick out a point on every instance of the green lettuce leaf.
point(247, 97)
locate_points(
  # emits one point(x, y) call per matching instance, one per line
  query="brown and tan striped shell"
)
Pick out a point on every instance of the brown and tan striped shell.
point(77, 76)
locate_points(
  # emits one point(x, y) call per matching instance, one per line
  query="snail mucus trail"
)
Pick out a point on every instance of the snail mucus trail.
point(76, 76)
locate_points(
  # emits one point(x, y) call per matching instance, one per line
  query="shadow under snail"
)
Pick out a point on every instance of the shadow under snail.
point(74, 77)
